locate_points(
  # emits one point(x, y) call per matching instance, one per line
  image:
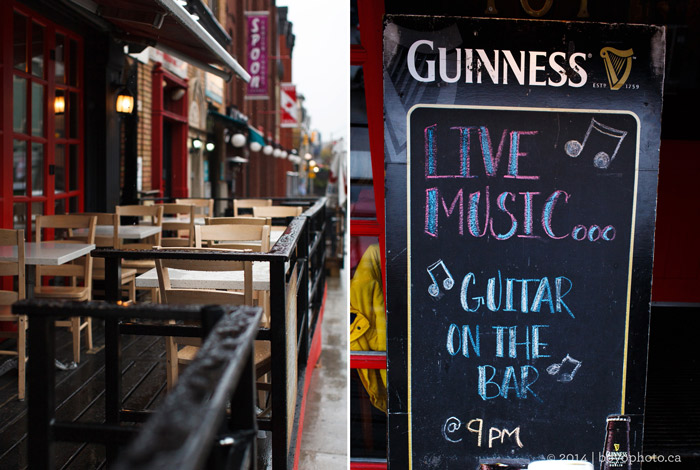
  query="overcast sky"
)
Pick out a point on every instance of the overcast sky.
point(321, 61)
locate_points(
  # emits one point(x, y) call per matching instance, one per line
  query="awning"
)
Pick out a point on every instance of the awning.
point(228, 119)
point(166, 24)
point(255, 136)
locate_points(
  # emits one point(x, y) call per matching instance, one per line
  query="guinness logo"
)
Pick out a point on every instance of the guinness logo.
point(618, 65)
point(617, 447)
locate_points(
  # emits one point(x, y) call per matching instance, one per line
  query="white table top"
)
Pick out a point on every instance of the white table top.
point(276, 234)
point(233, 280)
point(49, 253)
point(197, 220)
point(128, 231)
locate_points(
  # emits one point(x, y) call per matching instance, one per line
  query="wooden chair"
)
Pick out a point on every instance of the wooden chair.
point(7, 298)
point(277, 211)
point(147, 215)
point(80, 269)
point(255, 238)
point(238, 221)
point(249, 203)
point(241, 237)
point(128, 279)
point(203, 207)
point(173, 231)
point(170, 295)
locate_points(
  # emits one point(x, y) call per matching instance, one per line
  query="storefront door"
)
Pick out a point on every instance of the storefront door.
point(41, 128)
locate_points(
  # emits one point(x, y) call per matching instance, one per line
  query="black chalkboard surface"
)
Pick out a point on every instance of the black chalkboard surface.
point(521, 164)
point(520, 256)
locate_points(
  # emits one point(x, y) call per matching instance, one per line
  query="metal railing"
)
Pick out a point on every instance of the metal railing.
point(297, 287)
point(192, 414)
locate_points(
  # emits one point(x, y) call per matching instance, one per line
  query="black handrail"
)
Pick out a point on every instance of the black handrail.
point(44, 429)
point(301, 247)
point(184, 433)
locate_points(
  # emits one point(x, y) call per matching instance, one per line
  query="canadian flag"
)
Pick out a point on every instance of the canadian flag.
point(288, 105)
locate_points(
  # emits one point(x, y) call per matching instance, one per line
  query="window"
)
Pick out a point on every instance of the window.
point(43, 134)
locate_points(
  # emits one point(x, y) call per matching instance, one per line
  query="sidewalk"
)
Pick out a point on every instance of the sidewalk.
point(324, 442)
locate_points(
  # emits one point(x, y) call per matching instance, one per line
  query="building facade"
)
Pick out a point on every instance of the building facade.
point(66, 148)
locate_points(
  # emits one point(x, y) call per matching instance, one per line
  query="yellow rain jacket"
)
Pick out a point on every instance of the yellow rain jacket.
point(368, 330)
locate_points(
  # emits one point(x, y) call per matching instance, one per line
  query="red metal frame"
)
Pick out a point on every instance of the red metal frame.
point(360, 361)
point(179, 118)
point(5, 116)
point(369, 56)
point(49, 139)
point(354, 465)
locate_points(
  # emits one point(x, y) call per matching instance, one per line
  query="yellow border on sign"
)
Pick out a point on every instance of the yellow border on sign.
point(408, 229)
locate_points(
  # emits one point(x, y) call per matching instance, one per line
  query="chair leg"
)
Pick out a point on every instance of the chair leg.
point(171, 364)
point(75, 332)
point(21, 356)
point(132, 291)
point(89, 333)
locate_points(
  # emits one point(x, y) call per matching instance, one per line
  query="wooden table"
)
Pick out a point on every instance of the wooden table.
point(129, 232)
point(49, 253)
point(45, 253)
point(178, 220)
point(230, 280)
point(275, 234)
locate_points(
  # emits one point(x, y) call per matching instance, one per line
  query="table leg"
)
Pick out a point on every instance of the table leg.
point(113, 383)
point(41, 400)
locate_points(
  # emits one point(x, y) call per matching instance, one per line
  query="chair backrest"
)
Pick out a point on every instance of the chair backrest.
point(185, 213)
point(172, 295)
point(251, 237)
point(13, 238)
point(248, 203)
point(101, 239)
point(202, 206)
point(277, 211)
point(80, 268)
point(148, 215)
point(238, 221)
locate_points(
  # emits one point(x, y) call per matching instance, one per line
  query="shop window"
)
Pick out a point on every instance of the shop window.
point(45, 119)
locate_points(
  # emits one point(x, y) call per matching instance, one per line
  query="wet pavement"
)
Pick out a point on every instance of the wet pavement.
point(324, 443)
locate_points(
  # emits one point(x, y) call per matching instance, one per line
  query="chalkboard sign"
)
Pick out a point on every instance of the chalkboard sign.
point(520, 241)
point(526, 288)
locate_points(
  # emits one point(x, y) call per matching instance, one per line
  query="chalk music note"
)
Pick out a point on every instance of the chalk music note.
point(566, 370)
point(448, 283)
point(602, 160)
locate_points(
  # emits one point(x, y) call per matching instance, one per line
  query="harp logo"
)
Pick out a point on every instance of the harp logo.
point(618, 65)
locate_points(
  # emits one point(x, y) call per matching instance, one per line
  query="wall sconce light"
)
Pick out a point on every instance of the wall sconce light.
point(255, 146)
point(238, 140)
point(267, 150)
point(59, 105)
point(210, 146)
point(177, 94)
point(125, 101)
point(196, 144)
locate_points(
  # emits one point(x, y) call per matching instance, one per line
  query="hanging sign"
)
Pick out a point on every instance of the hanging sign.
point(521, 160)
point(288, 105)
point(257, 54)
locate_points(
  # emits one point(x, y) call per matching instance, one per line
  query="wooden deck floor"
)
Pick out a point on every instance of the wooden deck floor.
point(80, 397)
